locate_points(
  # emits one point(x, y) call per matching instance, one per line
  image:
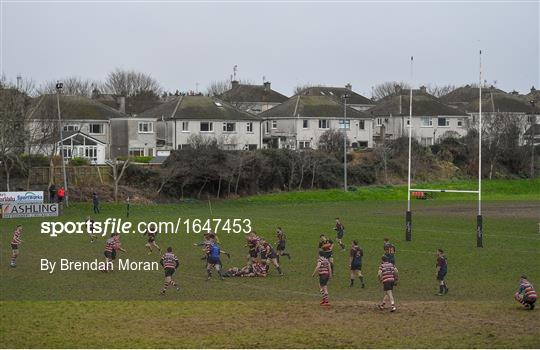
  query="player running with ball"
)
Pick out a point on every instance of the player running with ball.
point(170, 263)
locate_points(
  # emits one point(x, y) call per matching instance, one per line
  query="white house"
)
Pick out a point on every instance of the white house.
point(431, 119)
point(254, 99)
point(299, 123)
point(181, 120)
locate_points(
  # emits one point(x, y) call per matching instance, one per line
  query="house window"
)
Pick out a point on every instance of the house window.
point(362, 125)
point(426, 121)
point(443, 122)
point(379, 121)
point(345, 124)
point(207, 126)
point(304, 144)
point(90, 152)
point(67, 152)
point(136, 152)
point(460, 122)
point(274, 124)
point(249, 127)
point(71, 127)
point(305, 124)
point(324, 124)
point(146, 127)
point(426, 141)
point(185, 126)
point(96, 129)
point(229, 127)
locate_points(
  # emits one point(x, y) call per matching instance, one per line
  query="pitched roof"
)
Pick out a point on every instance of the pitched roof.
point(502, 102)
point(466, 94)
point(252, 93)
point(338, 92)
point(308, 106)
point(134, 105)
point(423, 104)
point(80, 138)
point(72, 108)
point(197, 107)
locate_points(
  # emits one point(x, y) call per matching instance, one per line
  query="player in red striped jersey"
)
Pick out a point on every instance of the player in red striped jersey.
point(109, 249)
point(388, 276)
point(170, 263)
point(15, 242)
point(281, 242)
point(151, 232)
point(270, 256)
point(90, 228)
point(324, 270)
point(526, 295)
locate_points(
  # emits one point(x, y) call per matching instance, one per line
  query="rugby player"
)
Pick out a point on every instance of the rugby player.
point(442, 268)
point(526, 295)
point(340, 231)
point(15, 242)
point(170, 263)
point(389, 251)
point(355, 261)
point(214, 260)
point(388, 276)
point(90, 228)
point(270, 256)
point(324, 270)
point(280, 245)
point(151, 232)
point(327, 253)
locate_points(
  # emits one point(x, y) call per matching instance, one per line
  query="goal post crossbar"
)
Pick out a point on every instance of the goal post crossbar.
point(448, 191)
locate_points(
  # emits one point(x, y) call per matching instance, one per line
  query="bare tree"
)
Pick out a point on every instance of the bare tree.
point(13, 112)
point(440, 90)
point(129, 83)
point(118, 170)
point(332, 141)
point(72, 85)
point(218, 87)
point(388, 88)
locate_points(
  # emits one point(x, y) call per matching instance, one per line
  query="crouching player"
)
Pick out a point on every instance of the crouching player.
point(388, 276)
point(15, 242)
point(170, 263)
point(324, 270)
point(526, 294)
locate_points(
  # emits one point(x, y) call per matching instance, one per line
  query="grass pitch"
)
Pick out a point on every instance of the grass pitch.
point(123, 308)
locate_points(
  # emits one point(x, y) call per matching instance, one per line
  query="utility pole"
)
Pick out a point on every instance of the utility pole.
point(533, 134)
point(59, 87)
point(345, 97)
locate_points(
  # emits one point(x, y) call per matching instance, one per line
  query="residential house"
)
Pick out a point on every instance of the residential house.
point(90, 129)
point(254, 99)
point(184, 117)
point(354, 100)
point(431, 118)
point(300, 121)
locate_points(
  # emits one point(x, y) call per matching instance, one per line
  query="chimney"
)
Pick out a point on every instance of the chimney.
point(122, 104)
point(423, 89)
point(234, 84)
point(267, 86)
point(533, 90)
point(348, 86)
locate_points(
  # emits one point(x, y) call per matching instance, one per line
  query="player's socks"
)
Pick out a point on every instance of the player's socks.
point(352, 282)
point(393, 308)
point(279, 270)
point(362, 281)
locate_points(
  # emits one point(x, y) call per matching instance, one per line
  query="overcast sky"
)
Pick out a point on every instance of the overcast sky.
point(364, 43)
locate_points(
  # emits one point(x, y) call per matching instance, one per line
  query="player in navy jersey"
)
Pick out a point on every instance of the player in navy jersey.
point(355, 261)
point(442, 269)
point(214, 260)
point(280, 245)
point(170, 263)
point(151, 232)
point(389, 251)
point(15, 242)
point(340, 231)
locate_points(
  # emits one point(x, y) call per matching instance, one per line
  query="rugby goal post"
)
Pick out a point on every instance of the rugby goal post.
point(479, 221)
